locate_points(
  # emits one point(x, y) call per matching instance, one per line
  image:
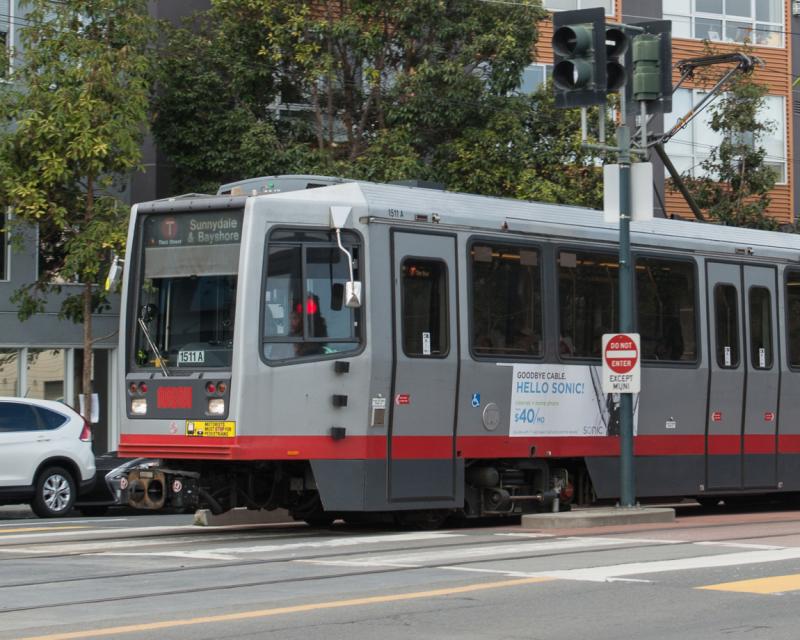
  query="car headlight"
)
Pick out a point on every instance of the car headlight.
point(216, 406)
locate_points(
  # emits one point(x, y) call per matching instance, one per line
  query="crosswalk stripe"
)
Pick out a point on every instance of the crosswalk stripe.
point(226, 553)
point(603, 574)
point(416, 558)
point(771, 585)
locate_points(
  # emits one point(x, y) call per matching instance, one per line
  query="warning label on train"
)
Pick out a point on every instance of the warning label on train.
point(562, 400)
point(210, 429)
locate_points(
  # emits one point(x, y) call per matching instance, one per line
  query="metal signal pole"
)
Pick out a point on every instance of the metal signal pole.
point(627, 481)
point(592, 59)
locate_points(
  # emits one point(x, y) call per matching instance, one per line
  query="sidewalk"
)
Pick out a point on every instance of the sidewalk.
point(15, 512)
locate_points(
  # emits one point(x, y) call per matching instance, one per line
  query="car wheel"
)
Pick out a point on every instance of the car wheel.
point(93, 510)
point(55, 493)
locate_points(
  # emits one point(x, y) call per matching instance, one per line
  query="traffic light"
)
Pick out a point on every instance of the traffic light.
point(616, 42)
point(651, 80)
point(588, 57)
point(579, 58)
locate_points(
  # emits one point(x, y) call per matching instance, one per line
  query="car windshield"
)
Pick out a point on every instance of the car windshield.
point(187, 290)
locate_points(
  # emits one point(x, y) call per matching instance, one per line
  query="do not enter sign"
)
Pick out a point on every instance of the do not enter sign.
point(621, 371)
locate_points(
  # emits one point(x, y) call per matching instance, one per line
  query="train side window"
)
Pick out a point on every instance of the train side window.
point(304, 315)
point(760, 328)
point(666, 309)
point(506, 301)
point(423, 291)
point(726, 317)
point(588, 303)
point(793, 317)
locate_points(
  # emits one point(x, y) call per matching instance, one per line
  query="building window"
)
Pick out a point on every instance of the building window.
point(565, 5)
point(3, 246)
point(9, 372)
point(5, 38)
point(757, 22)
point(45, 374)
point(693, 144)
point(506, 301)
point(533, 77)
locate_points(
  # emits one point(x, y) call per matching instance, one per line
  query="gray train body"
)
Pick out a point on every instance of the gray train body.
point(370, 427)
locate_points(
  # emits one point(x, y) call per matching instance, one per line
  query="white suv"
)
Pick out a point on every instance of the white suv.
point(46, 455)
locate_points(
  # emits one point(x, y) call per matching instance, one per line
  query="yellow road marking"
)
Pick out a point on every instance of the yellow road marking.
point(775, 584)
point(33, 529)
point(265, 613)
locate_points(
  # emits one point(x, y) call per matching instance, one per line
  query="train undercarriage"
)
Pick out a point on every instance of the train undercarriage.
point(492, 488)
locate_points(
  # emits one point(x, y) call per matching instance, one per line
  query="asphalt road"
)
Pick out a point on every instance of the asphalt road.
point(708, 575)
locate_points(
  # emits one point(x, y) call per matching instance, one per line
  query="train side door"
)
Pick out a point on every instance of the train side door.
point(763, 378)
point(426, 355)
point(727, 377)
point(743, 392)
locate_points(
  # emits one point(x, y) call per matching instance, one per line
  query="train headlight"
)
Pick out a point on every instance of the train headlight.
point(216, 406)
point(139, 406)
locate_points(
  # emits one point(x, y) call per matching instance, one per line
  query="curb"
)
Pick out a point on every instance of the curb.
point(204, 517)
point(586, 518)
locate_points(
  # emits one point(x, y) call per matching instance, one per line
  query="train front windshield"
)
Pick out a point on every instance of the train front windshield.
point(186, 290)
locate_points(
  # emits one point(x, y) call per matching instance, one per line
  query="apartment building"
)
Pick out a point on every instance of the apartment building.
point(769, 27)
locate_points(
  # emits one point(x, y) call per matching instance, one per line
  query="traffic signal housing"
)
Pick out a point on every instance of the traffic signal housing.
point(651, 60)
point(579, 53)
point(588, 57)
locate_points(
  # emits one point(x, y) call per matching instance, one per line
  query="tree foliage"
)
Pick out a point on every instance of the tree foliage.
point(734, 188)
point(74, 120)
point(371, 89)
point(528, 149)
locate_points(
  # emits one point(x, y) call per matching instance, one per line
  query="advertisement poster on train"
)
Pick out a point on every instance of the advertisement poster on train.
point(563, 400)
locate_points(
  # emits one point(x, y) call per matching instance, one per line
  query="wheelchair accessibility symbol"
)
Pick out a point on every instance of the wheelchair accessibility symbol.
point(476, 400)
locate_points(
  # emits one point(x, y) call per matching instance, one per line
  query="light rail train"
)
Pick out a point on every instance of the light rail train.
point(359, 349)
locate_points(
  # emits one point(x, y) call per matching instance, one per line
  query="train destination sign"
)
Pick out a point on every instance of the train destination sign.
point(193, 229)
point(621, 367)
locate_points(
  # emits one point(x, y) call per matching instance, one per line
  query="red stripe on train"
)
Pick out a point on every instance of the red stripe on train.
point(760, 443)
point(404, 447)
point(438, 447)
point(789, 443)
point(724, 445)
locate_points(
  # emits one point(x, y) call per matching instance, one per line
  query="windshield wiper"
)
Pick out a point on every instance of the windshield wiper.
point(153, 347)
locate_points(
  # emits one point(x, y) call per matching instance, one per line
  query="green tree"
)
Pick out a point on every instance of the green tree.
point(528, 149)
point(368, 88)
point(734, 188)
point(74, 120)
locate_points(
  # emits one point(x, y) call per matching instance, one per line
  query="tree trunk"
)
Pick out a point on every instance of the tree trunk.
point(86, 382)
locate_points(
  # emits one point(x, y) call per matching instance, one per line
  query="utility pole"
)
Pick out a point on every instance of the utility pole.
point(589, 63)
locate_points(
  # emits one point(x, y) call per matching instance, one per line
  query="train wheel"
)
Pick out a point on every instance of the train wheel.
point(422, 519)
point(313, 513)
